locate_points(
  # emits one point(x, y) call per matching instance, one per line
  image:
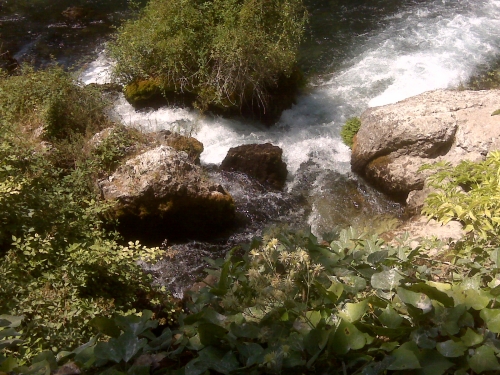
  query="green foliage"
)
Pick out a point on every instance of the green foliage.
point(468, 193)
point(496, 113)
point(355, 305)
point(349, 130)
point(226, 52)
point(59, 266)
point(118, 143)
point(50, 102)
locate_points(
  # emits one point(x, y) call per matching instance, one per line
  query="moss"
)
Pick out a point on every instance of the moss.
point(142, 91)
point(190, 145)
point(349, 130)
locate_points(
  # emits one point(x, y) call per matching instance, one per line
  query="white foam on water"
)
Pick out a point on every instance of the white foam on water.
point(427, 46)
point(98, 71)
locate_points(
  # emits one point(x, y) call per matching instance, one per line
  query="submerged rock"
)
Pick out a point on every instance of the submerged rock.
point(162, 193)
point(395, 140)
point(260, 161)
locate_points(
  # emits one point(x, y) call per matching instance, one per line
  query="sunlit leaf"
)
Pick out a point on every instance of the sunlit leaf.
point(484, 359)
point(386, 280)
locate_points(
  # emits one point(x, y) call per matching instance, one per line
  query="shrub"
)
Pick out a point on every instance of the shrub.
point(229, 53)
point(354, 305)
point(349, 130)
point(59, 266)
point(467, 193)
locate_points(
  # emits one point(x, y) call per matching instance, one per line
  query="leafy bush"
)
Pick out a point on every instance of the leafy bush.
point(59, 266)
point(467, 193)
point(229, 53)
point(355, 305)
point(349, 130)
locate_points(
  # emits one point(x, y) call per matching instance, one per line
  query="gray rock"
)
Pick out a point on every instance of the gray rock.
point(261, 161)
point(162, 191)
point(395, 140)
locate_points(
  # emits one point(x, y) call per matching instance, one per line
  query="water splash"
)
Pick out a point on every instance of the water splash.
point(423, 45)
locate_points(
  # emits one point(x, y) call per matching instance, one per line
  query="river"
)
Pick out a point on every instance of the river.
point(355, 56)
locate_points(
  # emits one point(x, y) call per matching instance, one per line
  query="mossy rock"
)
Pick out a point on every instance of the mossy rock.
point(141, 92)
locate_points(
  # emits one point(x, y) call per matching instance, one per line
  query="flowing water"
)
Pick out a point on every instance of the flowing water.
point(356, 56)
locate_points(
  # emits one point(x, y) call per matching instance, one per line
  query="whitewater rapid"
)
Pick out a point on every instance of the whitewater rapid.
point(423, 46)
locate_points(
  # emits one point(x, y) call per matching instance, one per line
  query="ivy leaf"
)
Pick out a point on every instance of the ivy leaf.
point(386, 280)
point(390, 318)
point(106, 326)
point(211, 333)
point(377, 256)
point(424, 338)
point(471, 338)
point(447, 319)
point(492, 319)
point(405, 357)
point(11, 321)
point(418, 300)
point(345, 338)
point(433, 363)
point(251, 352)
point(484, 359)
point(218, 360)
point(451, 348)
point(354, 311)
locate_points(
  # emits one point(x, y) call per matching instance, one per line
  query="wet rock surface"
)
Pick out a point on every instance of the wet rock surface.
point(260, 161)
point(395, 140)
point(161, 193)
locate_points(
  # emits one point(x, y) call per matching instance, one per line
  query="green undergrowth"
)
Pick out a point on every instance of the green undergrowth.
point(287, 303)
point(60, 267)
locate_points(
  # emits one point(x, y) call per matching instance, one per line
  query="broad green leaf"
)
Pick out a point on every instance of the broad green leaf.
point(106, 326)
point(316, 340)
point(8, 365)
point(195, 367)
point(139, 370)
point(219, 360)
point(390, 318)
point(483, 360)
point(345, 338)
point(424, 338)
point(352, 312)
point(418, 300)
point(476, 299)
point(252, 353)
point(11, 321)
point(247, 330)
point(471, 338)
point(432, 292)
point(492, 319)
point(377, 256)
point(432, 363)
point(313, 317)
point(451, 348)
point(386, 280)
point(405, 357)
point(447, 319)
point(211, 333)
point(122, 348)
point(353, 284)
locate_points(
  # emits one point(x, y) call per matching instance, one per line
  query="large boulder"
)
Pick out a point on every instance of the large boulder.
point(161, 193)
point(260, 161)
point(395, 140)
